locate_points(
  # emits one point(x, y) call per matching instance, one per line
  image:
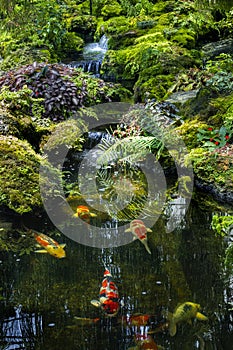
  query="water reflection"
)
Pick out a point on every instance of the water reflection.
point(185, 265)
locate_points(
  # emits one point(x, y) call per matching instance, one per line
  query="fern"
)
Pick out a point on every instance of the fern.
point(130, 149)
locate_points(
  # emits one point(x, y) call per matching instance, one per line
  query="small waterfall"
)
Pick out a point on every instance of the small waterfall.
point(92, 57)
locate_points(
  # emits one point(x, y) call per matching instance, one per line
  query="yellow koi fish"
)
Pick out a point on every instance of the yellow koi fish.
point(185, 313)
point(84, 213)
point(50, 246)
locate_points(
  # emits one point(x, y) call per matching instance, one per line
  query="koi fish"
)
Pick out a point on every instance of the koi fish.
point(84, 213)
point(145, 342)
point(139, 230)
point(136, 320)
point(50, 246)
point(108, 296)
point(184, 313)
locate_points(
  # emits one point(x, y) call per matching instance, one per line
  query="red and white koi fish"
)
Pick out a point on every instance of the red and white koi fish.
point(50, 246)
point(108, 296)
point(84, 213)
point(139, 230)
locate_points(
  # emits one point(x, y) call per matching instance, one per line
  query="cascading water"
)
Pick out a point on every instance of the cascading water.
point(92, 57)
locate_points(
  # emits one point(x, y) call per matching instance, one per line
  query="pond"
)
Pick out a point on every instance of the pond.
point(46, 302)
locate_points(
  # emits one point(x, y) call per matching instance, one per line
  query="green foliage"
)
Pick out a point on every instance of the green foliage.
point(190, 79)
point(18, 102)
point(221, 82)
point(222, 224)
point(42, 27)
point(84, 25)
point(111, 10)
point(219, 4)
point(59, 89)
point(129, 149)
point(214, 138)
point(23, 56)
point(132, 8)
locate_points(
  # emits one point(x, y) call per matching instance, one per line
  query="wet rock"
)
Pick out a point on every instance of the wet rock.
point(221, 196)
point(214, 49)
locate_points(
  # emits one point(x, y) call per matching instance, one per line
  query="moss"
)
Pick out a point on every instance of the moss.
point(72, 44)
point(189, 129)
point(19, 175)
point(213, 169)
point(184, 38)
point(19, 180)
point(224, 108)
point(68, 133)
point(155, 87)
point(115, 25)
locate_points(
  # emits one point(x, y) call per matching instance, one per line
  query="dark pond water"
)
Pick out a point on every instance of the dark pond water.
point(41, 295)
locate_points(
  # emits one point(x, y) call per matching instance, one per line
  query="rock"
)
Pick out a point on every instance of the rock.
point(214, 49)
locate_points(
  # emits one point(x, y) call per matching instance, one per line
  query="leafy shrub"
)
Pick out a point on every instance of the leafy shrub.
point(61, 90)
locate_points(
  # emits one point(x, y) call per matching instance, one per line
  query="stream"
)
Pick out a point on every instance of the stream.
point(91, 59)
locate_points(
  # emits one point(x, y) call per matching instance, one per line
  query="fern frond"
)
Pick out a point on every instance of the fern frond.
point(129, 149)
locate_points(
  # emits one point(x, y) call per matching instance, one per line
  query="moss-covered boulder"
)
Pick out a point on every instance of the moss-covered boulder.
point(19, 175)
point(214, 171)
point(20, 178)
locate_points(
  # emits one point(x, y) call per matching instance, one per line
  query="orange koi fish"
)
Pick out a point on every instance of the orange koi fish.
point(108, 296)
point(144, 342)
point(139, 230)
point(84, 213)
point(50, 246)
point(138, 320)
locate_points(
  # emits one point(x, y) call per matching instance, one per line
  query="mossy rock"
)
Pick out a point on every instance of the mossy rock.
point(69, 133)
point(201, 105)
point(115, 25)
point(214, 170)
point(184, 38)
point(189, 129)
point(155, 87)
point(19, 180)
point(8, 124)
point(19, 176)
point(224, 109)
point(72, 45)
point(146, 24)
point(21, 127)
